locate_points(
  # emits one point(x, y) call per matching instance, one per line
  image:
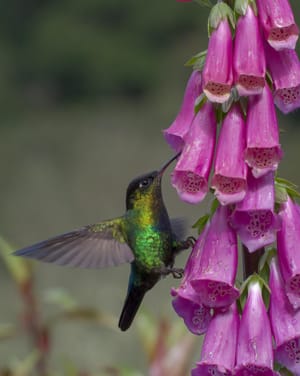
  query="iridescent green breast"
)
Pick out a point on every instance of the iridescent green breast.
point(150, 240)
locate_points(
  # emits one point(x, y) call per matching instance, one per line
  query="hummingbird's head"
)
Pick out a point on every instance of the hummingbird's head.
point(146, 188)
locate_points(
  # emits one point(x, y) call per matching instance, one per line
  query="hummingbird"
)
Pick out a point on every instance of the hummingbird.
point(144, 236)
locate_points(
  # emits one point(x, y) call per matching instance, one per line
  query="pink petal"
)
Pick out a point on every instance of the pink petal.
point(214, 280)
point(217, 71)
point(230, 177)
point(249, 56)
point(263, 151)
point(175, 134)
point(190, 176)
point(278, 23)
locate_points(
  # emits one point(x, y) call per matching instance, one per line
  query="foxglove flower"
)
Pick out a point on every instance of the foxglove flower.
point(177, 131)
point(288, 241)
point(190, 176)
point(263, 151)
point(254, 348)
point(219, 346)
point(214, 280)
point(217, 71)
point(186, 302)
point(277, 20)
point(230, 176)
point(249, 58)
point(254, 218)
point(284, 67)
point(285, 323)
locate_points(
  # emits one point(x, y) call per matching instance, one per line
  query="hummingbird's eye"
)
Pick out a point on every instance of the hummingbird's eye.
point(145, 183)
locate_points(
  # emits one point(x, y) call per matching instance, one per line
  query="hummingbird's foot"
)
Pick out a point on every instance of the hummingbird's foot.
point(184, 244)
point(177, 273)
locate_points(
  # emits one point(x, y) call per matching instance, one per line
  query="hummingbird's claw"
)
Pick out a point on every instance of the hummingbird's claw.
point(190, 241)
point(177, 273)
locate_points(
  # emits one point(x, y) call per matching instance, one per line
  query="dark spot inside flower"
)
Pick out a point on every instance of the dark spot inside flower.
point(217, 89)
point(190, 182)
point(289, 95)
point(251, 82)
point(229, 185)
point(283, 33)
point(263, 157)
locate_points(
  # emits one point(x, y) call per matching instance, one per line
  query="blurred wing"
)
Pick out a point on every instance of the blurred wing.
point(179, 227)
point(93, 246)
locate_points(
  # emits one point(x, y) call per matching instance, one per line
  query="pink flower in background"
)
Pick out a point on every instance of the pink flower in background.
point(219, 346)
point(187, 302)
point(263, 151)
point(190, 176)
point(254, 218)
point(175, 134)
point(254, 348)
point(230, 172)
point(285, 322)
point(288, 243)
point(249, 57)
point(284, 67)
point(217, 71)
point(277, 20)
point(214, 280)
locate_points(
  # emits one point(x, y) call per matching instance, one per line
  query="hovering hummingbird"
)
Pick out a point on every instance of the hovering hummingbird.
point(143, 236)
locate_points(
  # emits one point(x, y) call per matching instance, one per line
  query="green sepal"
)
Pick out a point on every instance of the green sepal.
point(199, 103)
point(227, 105)
point(204, 3)
point(266, 292)
point(284, 188)
point(264, 263)
point(219, 116)
point(241, 6)
point(282, 370)
point(201, 223)
point(218, 13)
point(197, 61)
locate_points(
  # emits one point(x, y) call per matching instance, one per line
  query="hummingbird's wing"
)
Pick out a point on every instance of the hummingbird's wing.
point(94, 246)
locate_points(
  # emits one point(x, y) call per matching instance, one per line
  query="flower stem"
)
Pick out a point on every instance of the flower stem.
point(250, 261)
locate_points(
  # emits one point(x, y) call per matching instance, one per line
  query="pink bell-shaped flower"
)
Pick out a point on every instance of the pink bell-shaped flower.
point(285, 322)
point(278, 23)
point(217, 71)
point(263, 151)
point(219, 345)
point(230, 173)
point(288, 241)
point(284, 67)
point(175, 134)
point(249, 56)
point(254, 349)
point(254, 218)
point(214, 280)
point(187, 302)
point(190, 176)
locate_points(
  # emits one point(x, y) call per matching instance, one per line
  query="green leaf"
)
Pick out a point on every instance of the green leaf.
point(283, 188)
point(199, 102)
point(7, 331)
point(18, 267)
point(201, 223)
point(197, 61)
point(214, 206)
point(61, 298)
point(204, 3)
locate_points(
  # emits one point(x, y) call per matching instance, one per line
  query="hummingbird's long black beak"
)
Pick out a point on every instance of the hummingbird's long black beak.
point(167, 164)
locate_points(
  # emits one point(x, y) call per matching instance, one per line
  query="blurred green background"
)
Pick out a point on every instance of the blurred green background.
point(86, 86)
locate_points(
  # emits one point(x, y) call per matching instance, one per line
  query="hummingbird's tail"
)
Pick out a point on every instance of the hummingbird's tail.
point(133, 301)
